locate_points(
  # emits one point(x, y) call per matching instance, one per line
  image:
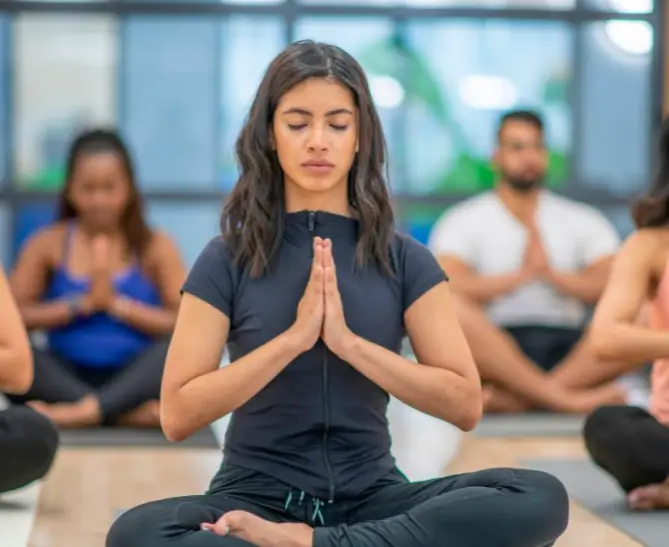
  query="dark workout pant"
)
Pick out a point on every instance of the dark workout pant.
point(497, 507)
point(545, 346)
point(630, 444)
point(118, 390)
point(28, 445)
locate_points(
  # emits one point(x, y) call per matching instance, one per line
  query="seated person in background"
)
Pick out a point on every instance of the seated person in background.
point(105, 288)
point(314, 291)
point(629, 442)
point(28, 440)
point(525, 263)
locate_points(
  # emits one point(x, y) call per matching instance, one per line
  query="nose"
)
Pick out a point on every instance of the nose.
point(317, 137)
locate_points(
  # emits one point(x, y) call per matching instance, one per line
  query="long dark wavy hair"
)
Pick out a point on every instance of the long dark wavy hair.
point(133, 223)
point(652, 209)
point(253, 215)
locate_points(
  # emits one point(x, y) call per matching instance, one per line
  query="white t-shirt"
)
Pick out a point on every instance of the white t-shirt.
point(481, 232)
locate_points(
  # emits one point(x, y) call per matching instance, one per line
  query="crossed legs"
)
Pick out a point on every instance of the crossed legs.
point(578, 384)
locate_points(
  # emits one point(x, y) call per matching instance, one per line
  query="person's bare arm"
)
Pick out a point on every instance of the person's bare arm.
point(479, 288)
point(29, 280)
point(169, 274)
point(195, 391)
point(16, 365)
point(586, 285)
point(446, 383)
point(615, 333)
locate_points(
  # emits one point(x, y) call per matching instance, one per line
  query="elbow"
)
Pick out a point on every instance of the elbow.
point(21, 375)
point(470, 411)
point(173, 422)
point(471, 417)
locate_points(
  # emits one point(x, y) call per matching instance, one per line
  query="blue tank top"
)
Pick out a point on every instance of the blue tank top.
point(99, 340)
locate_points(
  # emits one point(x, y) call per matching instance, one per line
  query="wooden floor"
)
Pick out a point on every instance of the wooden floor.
point(87, 487)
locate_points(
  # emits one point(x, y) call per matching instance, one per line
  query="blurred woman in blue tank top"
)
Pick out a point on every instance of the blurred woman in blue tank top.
point(105, 289)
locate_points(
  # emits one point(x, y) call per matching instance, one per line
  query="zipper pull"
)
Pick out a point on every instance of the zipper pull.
point(312, 217)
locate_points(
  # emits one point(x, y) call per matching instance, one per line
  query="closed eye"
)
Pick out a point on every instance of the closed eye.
point(339, 127)
point(297, 127)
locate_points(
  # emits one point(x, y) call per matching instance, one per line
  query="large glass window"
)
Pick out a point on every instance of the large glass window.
point(615, 121)
point(190, 225)
point(372, 41)
point(170, 107)
point(64, 67)
point(30, 217)
point(248, 45)
point(4, 77)
point(462, 75)
point(5, 243)
point(622, 6)
point(537, 4)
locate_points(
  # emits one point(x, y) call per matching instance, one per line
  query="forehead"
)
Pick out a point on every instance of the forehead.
point(518, 130)
point(318, 96)
point(93, 163)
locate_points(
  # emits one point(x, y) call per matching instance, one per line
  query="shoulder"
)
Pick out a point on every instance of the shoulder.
point(645, 243)
point(466, 213)
point(47, 242)
point(161, 245)
point(575, 209)
point(412, 256)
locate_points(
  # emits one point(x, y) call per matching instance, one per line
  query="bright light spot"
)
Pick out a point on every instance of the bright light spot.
point(632, 6)
point(632, 37)
point(387, 91)
point(487, 92)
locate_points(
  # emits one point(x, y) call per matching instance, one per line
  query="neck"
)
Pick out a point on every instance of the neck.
point(522, 205)
point(335, 202)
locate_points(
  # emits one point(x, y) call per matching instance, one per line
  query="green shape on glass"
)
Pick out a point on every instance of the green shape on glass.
point(51, 178)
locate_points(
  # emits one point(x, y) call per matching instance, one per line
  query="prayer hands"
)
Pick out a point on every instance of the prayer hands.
point(336, 333)
point(320, 312)
point(101, 294)
point(535, 263)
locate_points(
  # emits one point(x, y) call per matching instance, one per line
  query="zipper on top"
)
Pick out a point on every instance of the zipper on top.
point(326, 395)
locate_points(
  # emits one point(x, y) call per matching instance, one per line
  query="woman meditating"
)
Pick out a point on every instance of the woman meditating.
point(313, 291)
point(105, 289)
point(631, 443)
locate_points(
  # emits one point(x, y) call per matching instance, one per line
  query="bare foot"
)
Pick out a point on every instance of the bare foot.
point(145, 415)
point(261, 532)
point(588, 401)
point(653, 496)
point(83, 413)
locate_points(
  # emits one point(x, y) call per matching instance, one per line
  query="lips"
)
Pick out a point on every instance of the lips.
point(318, 164)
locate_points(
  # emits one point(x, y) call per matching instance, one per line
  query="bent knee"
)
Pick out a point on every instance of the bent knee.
point(602, 428)
point(39, 434)
point(546, 501)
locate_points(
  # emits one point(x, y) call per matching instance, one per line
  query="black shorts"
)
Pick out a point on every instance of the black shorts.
point(545, 346)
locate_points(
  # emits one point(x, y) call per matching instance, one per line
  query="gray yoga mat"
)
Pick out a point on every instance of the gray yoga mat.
point(600, 494)
point(127, 437)
point(532, 424)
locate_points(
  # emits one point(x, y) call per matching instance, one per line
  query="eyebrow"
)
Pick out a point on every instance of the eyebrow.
point(304, 112)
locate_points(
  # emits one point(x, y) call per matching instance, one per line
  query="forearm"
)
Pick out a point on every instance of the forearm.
point(483, 289)
point(630, 343)
point(47, 315)
point(586, 287)
point(152, 320)
point(212, 396)
point(430, 389)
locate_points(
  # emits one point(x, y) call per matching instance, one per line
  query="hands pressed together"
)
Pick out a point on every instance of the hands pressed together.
point(320, 313)
point(535, 262)
point(101, 296)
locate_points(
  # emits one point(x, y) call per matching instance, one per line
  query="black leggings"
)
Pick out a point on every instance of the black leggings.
point(501, 507)
point(28, 444)
point(118, 390)
point(630, 444)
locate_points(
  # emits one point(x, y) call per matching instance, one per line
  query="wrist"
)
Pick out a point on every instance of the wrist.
point(119, 307)
point(347, 346)
point(294, 343)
